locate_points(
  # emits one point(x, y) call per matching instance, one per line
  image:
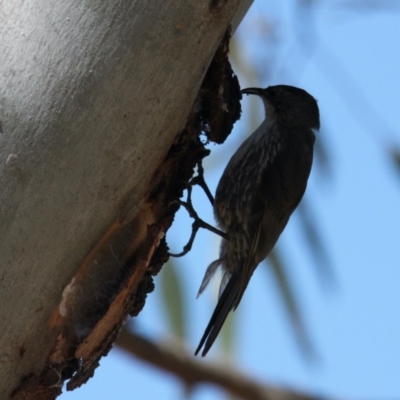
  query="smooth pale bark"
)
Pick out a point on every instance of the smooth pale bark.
point(92, 95)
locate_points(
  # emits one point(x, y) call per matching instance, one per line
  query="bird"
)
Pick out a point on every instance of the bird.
point(259, 189)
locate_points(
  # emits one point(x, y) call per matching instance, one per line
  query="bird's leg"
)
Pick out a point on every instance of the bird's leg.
point(197, 220)
point(197, 223)
point(199, 180)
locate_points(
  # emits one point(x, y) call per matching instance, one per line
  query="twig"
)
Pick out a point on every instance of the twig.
point(197, 224)
point(200, 181)
point(175, 360)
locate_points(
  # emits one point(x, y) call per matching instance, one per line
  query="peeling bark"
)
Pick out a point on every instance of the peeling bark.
point(94, 158)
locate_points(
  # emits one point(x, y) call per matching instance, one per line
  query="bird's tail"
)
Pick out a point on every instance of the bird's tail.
point(225, 304)
point(211, 270)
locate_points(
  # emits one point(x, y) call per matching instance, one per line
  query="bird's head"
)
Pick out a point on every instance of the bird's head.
point(288, 104)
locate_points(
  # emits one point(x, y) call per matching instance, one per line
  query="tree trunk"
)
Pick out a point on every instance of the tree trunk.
point(93, 95)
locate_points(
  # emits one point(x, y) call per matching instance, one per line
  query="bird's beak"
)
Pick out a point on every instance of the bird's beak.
point(256, 91)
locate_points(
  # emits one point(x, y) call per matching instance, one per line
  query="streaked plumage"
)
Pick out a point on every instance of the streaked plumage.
point(261, 186)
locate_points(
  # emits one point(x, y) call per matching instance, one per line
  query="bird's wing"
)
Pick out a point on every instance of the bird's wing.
point(249, 264)
point(266, 206)
point(278, 192)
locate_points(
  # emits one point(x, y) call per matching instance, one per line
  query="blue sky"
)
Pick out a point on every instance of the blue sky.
point(352, 68)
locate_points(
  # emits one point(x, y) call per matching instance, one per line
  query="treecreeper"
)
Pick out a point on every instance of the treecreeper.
point(260, 188)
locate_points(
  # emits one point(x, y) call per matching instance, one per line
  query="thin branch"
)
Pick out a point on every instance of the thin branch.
point(197, 224)
point(174, 359)
point(200, 181)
